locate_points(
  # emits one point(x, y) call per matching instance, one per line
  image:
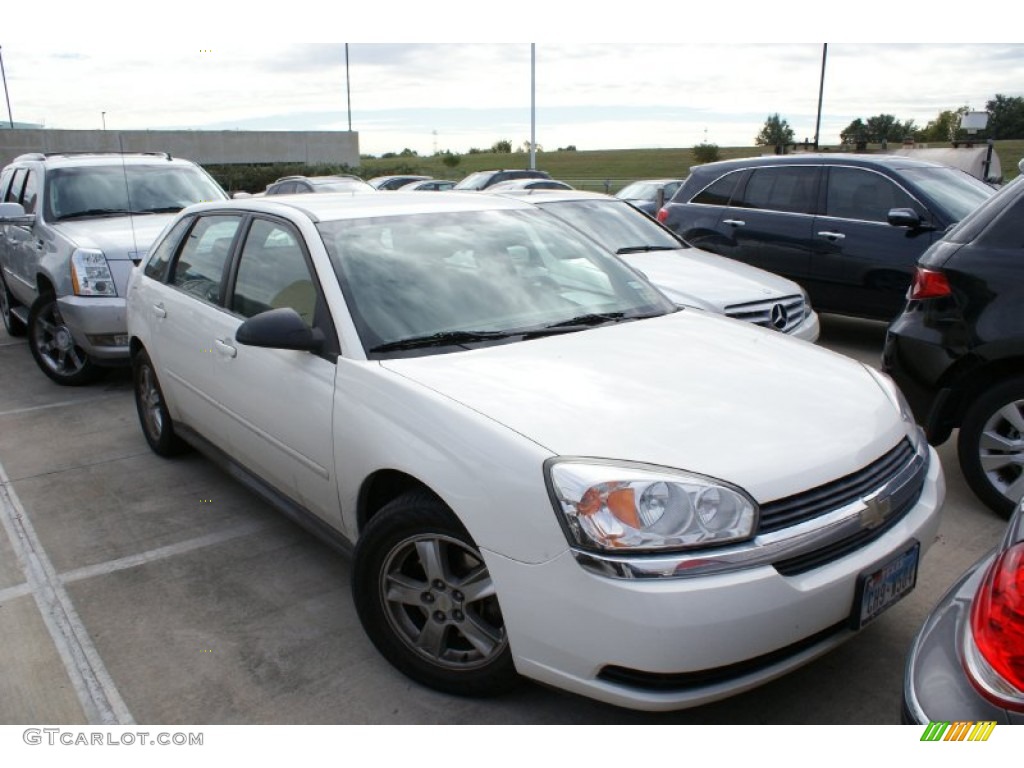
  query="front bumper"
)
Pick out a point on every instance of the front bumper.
point(660, 644)
point(809, 329)
point(99, 325)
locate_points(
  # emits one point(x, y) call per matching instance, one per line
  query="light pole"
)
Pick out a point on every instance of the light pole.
point(533, 106)
point(7, 94)
point(103, 117)
point(348, 90)
point(821, 91)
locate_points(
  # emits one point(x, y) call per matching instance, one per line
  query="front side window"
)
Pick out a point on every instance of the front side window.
point(791, 189)
point(855, 193)
point(416, 281)
point(273, 273)
point(16, 185)
point(199, 269)
point(31, 192)
point(156, 265)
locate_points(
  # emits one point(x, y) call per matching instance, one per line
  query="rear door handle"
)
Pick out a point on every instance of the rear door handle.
point(832, 235)
point(734, 222)
point(159, 311)
point(224, 348)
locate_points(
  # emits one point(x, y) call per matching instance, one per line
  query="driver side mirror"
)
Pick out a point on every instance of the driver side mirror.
point(280, 329)
point(14, 213)
point(908, 218)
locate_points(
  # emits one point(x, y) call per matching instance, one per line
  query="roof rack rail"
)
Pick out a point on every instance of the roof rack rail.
point(76, 153)
point(30, 156)
point(289, 178)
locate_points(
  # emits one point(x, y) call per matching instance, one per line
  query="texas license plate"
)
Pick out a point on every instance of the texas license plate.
point(880, 588)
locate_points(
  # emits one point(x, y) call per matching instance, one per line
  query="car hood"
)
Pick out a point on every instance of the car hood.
point(119, 237)
point(689, 390)
point(696, 278)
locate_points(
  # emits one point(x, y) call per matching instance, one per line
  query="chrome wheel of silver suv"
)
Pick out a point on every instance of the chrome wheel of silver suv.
point(53, 345)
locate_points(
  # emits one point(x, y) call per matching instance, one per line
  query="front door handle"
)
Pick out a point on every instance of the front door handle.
point(224, 348)
point(833, 236)
point(159, 311)
point(734, 222)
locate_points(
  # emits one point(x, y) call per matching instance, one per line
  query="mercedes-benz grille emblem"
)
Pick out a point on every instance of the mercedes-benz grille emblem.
point(780, 317)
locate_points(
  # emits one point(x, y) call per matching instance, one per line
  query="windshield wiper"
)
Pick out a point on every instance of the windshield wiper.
point(585, 321)
point(646, 249)
point(164, 209)
point(94, 212)
point(444, 339)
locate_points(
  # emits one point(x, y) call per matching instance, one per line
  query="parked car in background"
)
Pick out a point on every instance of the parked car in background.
point(428, 185)
point(649, 195)
point(484, 179)
point(967, 661)
point(848, 228)
point(688, 276)
point(527, 184)
point(302, 185)
point(543, 466)
point(957, 350)
point(391, 183)
point(72, 226)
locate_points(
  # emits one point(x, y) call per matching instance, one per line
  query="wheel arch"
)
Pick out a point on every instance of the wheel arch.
point(974, 383)
point(382, 487)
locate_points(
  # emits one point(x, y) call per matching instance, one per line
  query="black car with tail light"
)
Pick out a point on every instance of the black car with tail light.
point(957, 350)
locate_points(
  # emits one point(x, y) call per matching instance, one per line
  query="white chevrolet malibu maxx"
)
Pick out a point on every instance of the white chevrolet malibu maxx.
point(543, 466)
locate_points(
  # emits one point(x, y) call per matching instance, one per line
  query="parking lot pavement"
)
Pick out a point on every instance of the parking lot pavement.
point(135, 589)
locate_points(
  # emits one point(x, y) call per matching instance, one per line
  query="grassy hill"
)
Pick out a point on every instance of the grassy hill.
point(602, 170)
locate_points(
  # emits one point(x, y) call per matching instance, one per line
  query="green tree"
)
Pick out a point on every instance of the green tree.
point(706, 152)
point(945, 127)
point(502, 147)
point(856, 133)
point(450, 159)
point(884, 128)
point(775, 133)
point(1006, 119)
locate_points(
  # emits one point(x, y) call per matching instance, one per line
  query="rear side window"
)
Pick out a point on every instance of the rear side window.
point(1007, 231)
point(791, 189)
point(721, 192)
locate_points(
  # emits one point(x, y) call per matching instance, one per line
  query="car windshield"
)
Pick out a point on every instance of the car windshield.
point(638, 190)
point(430, 281)
point(616, 225)
point(107, 190)
point(474, 180)
point(958, 193)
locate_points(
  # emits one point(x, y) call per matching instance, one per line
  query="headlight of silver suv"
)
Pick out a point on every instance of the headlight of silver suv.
point(613, 506)
point(90, 274)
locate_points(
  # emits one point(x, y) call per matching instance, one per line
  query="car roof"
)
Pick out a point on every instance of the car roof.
point(333, 206)
point(556, 195)
point(69, 159)
point(894, 162)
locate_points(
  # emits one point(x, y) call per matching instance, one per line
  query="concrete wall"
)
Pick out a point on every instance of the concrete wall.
point(204, 147)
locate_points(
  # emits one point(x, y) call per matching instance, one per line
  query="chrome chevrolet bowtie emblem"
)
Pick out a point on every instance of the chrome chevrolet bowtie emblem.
point(877, 509)
point(779, 317)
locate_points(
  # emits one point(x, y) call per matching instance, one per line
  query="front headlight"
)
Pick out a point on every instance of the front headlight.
point(618, 506)
point(90, 274)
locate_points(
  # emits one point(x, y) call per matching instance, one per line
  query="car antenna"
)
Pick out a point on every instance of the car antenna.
point(128, 197)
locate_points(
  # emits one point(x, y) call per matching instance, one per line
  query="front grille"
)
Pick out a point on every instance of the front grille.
point(783, 314)
point(808, 505)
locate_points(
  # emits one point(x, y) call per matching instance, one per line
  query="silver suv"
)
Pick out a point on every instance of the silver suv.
point(72, 226)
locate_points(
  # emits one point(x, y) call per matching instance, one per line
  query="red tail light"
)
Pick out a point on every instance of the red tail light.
point(997, 628)
point(929, 284)
point(662, 214)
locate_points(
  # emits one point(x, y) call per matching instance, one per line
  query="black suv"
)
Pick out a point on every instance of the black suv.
point(848, 228)
point(484, 179)
point(957, 351)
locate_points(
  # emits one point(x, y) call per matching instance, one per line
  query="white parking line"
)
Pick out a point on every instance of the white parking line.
point(96, 691)
point(12, 593)
point(131, 561)
point(61, 404)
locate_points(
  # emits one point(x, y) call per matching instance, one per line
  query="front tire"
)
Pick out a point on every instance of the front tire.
point(12, 324)
point(53, 345)
point(991, 446)
point(154, 417)
point(426, 599)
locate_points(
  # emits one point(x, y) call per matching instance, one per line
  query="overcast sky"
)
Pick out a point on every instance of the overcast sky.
point(455, 96)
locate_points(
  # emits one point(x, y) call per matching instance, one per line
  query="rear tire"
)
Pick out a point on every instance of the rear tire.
point(154, 417)
point(991, 446)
